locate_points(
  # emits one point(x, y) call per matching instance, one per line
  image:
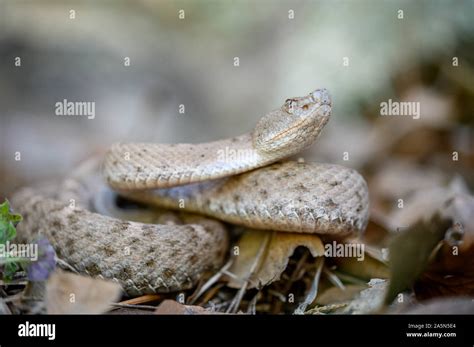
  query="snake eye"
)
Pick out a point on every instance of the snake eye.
point(290, 105)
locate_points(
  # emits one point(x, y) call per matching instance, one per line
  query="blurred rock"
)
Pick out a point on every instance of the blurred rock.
point(444, 306)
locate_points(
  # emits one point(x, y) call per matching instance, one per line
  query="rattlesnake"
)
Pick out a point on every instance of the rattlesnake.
point(239, 180)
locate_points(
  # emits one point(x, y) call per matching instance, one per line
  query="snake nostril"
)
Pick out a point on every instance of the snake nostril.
point(321, 96)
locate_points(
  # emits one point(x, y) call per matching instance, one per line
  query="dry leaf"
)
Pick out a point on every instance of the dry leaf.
point(410, 252)
point(335, 295)
point(264, 255)
point(376, 235)
point(68, 293)
point(370, 299)
point(173, 307)
point(451, 273)
point(365, 269)
point(425, 203)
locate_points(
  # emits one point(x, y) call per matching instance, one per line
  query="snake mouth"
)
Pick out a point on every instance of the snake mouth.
point(324, 110)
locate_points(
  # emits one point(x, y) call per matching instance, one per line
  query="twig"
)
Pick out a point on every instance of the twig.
point(234, 304)
point(252, 308)
point(313, 292)
point(279, 295)
point(14, 282)
point(14, 297)
point(210, 294)
point(141, 299)
point(295, 275)
point(143, 307)
point(255, 265)
point(348, 278)
point(327, 308)
point(211, 281)
point(231, 275)
point(334, 279)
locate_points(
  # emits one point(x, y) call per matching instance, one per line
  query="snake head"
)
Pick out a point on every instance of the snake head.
point(294, 126)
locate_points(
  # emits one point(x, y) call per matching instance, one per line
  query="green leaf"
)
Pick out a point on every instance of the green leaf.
point(410, 254)
point(9, 270)
point(8, 221)
point(4, 208)
point(15, 218)
point(6, 215)
point(7, 232)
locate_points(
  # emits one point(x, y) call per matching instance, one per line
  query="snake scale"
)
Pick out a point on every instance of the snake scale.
point(242, 180)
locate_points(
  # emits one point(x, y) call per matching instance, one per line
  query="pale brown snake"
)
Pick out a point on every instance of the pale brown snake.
point(234, 180)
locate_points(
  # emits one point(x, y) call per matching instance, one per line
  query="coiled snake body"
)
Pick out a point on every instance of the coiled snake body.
point(236, 180)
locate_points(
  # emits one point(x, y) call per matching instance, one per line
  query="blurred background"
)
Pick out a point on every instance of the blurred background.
point(184, 53)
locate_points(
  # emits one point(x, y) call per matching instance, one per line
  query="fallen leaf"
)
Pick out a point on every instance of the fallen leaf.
point(336, 295)
point(425, 203)
point(410, 252)
point(264, 255)
point(365, 269)
point(376, 235)
point(446, 221)
point(370, 299)
point(451, 272)
point(68, 293)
